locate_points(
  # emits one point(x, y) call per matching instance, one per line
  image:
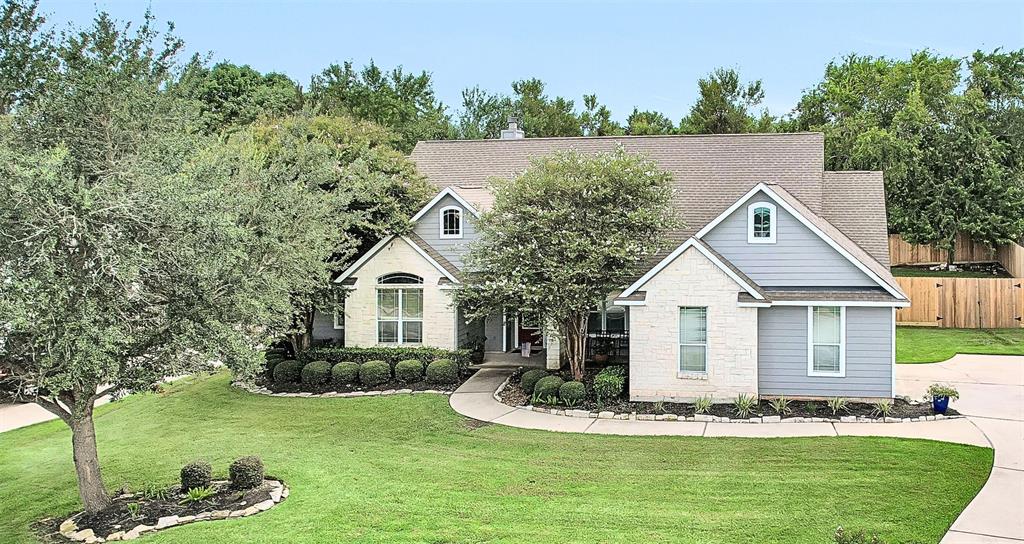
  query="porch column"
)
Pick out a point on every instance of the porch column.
point(553, 351)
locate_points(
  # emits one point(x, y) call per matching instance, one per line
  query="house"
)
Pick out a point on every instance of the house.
point(778, 284)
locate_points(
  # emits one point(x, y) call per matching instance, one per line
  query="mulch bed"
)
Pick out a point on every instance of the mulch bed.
point(514, 395)
point(118, 517)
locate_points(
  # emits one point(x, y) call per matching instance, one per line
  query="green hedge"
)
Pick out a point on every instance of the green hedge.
point(392, 356)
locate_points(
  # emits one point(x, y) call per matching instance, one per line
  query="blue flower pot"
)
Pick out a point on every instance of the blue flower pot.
point(939, 404)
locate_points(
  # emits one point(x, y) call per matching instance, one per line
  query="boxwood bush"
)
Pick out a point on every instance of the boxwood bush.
point(409, 371)
point(195, 475)
point(373, 373)
point(316, 373)
point(390, 355)
point(572, 393)
point(345, 373)
point(246, 472)
point(288, 372)
point(529, 379)
point(442, 371)
point(547, 387)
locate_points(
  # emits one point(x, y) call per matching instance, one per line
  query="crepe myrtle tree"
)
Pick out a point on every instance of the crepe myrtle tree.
point(126, 256)
point(563, 235)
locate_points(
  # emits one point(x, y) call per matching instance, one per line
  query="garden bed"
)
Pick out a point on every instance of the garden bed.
point(133, 514)
point(902, 408)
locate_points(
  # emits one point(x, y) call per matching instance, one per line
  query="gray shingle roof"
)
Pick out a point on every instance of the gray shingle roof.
point(823, 295)
point(710, 173)
point(434, 254)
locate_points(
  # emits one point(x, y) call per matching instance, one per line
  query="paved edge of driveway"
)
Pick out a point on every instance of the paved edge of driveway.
point(475, 399)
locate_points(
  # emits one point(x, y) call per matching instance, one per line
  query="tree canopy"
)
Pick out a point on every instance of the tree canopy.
point(724, 106)
point(234, 96)
point(563, 235)
point(949, 145)
point(400, 101)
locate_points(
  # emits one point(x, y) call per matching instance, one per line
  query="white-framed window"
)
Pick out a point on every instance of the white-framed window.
point(693, 340)
point(400, 309)
point(451, 222)
point(339, 311)
point(761, 223)
point(826, 341)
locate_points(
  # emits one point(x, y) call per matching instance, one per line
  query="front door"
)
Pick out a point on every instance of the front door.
point(529, 331)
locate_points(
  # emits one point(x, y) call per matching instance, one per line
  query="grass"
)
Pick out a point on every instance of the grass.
point(934, 344)
point(409, 469)
point(923, 272)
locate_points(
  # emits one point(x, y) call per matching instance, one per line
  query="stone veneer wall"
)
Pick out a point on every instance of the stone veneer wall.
point(361, 303)
point(691, 280)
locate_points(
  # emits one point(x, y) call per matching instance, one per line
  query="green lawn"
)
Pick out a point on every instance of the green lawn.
point(409, 469)
point(923, 272)
point(934, 344)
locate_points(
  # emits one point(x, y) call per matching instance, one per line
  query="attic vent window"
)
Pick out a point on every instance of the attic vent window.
point(451, 222)
point(762, 223)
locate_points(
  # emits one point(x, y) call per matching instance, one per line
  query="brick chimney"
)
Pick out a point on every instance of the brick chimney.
point(513, 132)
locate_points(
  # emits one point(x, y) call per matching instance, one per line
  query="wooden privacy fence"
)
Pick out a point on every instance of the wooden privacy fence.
point(973, 303)
point(1012, 258)
point(967, 251)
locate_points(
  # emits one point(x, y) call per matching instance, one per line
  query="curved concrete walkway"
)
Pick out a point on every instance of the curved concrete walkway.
point(992, 396)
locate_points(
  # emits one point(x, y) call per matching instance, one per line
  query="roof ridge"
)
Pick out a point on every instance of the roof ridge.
point(627, 136)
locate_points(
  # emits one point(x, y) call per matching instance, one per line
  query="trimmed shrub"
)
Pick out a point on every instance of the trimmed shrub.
point(608, 386)
point(196, 474)
point(288, 372)
point(316, 373)
point(345, 373)
point(442, 371)
point(373, 373)
point(529, 379)
point(547, 387)
point(246, 472)
point(572, 393)
point(390, 355)
point(618, 370)
point(409, 371)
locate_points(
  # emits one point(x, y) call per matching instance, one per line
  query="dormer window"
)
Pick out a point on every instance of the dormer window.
point(451, 222)
point(761, 223)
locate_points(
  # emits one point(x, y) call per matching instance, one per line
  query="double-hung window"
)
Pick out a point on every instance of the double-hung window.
point(693, 340)
point(826, 341)
point(400, 309)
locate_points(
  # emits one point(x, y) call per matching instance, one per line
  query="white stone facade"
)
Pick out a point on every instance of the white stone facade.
point(361, 302)
point(691, 280)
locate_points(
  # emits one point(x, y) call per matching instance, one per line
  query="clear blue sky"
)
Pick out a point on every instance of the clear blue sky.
point(631, 54)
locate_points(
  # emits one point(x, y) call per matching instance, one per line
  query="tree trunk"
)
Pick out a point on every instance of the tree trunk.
point(951, 252)
point(87, 463)
point(575, 339)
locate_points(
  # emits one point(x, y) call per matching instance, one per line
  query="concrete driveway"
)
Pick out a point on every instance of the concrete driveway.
point(992, 396)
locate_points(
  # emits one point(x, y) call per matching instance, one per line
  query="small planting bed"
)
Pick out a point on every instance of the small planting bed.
point(963, 270)
point(514, 394)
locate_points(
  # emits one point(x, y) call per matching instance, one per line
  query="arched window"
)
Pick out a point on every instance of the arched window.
point(761, 223)
point(399, 277)
point(400, 309)
point(451, 222)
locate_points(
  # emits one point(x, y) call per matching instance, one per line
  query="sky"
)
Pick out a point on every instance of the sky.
point(631, 54)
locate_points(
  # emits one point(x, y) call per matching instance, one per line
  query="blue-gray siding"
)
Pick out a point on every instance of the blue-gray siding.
point(429, 228)
point(799, 258)
point(323, 328)
point(782, 354)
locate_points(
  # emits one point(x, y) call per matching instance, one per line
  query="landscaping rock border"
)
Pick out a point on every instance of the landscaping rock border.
point(633, 416)
point(335, 395)
point(70, 529)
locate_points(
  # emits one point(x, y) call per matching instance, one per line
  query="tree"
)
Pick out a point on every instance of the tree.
point(947, 150)
point(349, 166)
point(233, 96)
point(404, 103)
point(123, 260)
point(647, 123)
point(563, 235)
point(484, 115)
point(25, 52)
point(724, 106)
